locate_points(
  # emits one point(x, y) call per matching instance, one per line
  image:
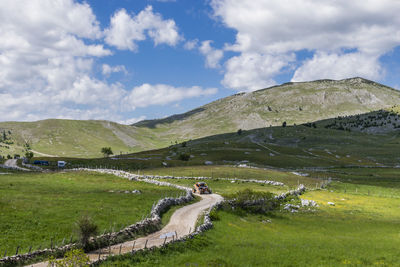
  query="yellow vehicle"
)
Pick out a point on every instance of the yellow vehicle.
point(201, 188)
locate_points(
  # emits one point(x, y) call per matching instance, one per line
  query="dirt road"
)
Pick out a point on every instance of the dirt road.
point(12, 163)
point(181, 223)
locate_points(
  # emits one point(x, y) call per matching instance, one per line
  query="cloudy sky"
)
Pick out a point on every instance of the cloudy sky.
point(128, 60)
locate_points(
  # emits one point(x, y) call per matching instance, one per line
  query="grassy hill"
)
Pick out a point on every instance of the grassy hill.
point(293, 103)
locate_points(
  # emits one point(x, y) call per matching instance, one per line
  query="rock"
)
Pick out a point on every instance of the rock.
point(136, 192)
point(247, 153)
point(165, 164)
point(272, 154)
point(207, 162)
point(203, 154)
point(308, 203)
point(331, 203)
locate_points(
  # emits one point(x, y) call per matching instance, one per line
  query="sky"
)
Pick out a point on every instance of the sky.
point(129, 60)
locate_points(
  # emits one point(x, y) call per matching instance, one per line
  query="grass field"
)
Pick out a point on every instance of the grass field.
point(38, 207)
point(360, 230)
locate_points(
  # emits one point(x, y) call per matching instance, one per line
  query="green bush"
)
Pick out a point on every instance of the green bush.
point(252, 201)
point(184, 156)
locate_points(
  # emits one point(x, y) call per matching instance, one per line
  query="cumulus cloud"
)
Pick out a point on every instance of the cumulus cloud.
point(331, 29)
point(126, 30)
point(252, 71)
point(107, 69)
point(191, 44)
point(334, 66)
point(213, 56)
point(161, 94)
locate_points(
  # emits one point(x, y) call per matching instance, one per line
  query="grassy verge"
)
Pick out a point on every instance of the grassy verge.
point(360, 230)
point(36, 208)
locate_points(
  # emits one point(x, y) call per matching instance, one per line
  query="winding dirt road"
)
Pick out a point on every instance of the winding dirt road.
point(13, 164)
point(182, 222)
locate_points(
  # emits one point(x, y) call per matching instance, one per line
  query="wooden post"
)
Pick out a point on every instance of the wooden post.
point(176, 234)
point(30, 249)
point(16, 252)
point(165, 240)
point(190, 229)
point(5, 253)
point(99, 255)
point(133, 247)
point(145, 245)
point(120, 247)
point(51, 244)
point(70, 240)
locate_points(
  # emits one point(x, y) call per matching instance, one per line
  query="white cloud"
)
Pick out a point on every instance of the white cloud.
point(368, 28)
point(252, 71)
point(191, 44)
point(107, 69)
point(161, 94)
point(213, 56)
point(125, 30)
point(334, 66)
point(132, 120)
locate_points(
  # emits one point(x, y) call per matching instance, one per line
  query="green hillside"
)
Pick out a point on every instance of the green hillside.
point(293, 103)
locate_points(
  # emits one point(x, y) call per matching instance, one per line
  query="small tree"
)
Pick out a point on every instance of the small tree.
point(29, 155)
point(86, 228)
point(184, 156)
point(107, 151)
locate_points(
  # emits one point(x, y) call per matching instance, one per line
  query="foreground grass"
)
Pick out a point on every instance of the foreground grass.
point(359, 230)
point(36, 208)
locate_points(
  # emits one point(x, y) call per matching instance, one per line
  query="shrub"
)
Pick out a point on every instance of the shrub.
point(86, 228)
point(73, 258)
point(239, 132)
point(284, 124)
point(214, 215)
point(184, 156)
point(253, 201)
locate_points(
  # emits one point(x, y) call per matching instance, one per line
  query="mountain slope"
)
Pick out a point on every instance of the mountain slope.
point(294, 103)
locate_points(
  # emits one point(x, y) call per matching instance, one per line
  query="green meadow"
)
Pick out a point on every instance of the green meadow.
point(36, 208)
point(359, 230)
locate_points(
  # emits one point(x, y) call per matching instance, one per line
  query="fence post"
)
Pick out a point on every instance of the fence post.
point(176, 234)
point(165, 240)
point(16, 252)
point(133, 247)
point(30, 249)
point(145, 245)
point(5, 253)
point(120, 247)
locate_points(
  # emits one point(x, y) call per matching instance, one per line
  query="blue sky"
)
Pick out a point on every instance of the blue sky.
point(128, 60)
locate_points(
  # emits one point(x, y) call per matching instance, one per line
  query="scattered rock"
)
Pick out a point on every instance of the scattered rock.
point(165, 164)
point(308, 203)
point(272, 154)
point(207, 162)
point(136, 192)
point(331, 203)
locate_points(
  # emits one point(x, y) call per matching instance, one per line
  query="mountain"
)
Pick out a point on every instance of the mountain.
point(293, 103)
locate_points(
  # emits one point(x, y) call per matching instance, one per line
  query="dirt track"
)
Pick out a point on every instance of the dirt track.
point(13, 164)
point(181, 223)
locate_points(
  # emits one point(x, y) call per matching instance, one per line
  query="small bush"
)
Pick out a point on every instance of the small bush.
point(73, 258)
point(86, 228)
point(252, 201)
point(184, 156)
point(214, 215)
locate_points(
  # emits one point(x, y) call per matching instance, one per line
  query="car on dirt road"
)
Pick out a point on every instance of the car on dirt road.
point(201, 188)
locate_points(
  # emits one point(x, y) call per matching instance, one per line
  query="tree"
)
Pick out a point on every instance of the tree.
point(107, 151)
point(29, 155)
point(184, 156)
point(86, 229)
